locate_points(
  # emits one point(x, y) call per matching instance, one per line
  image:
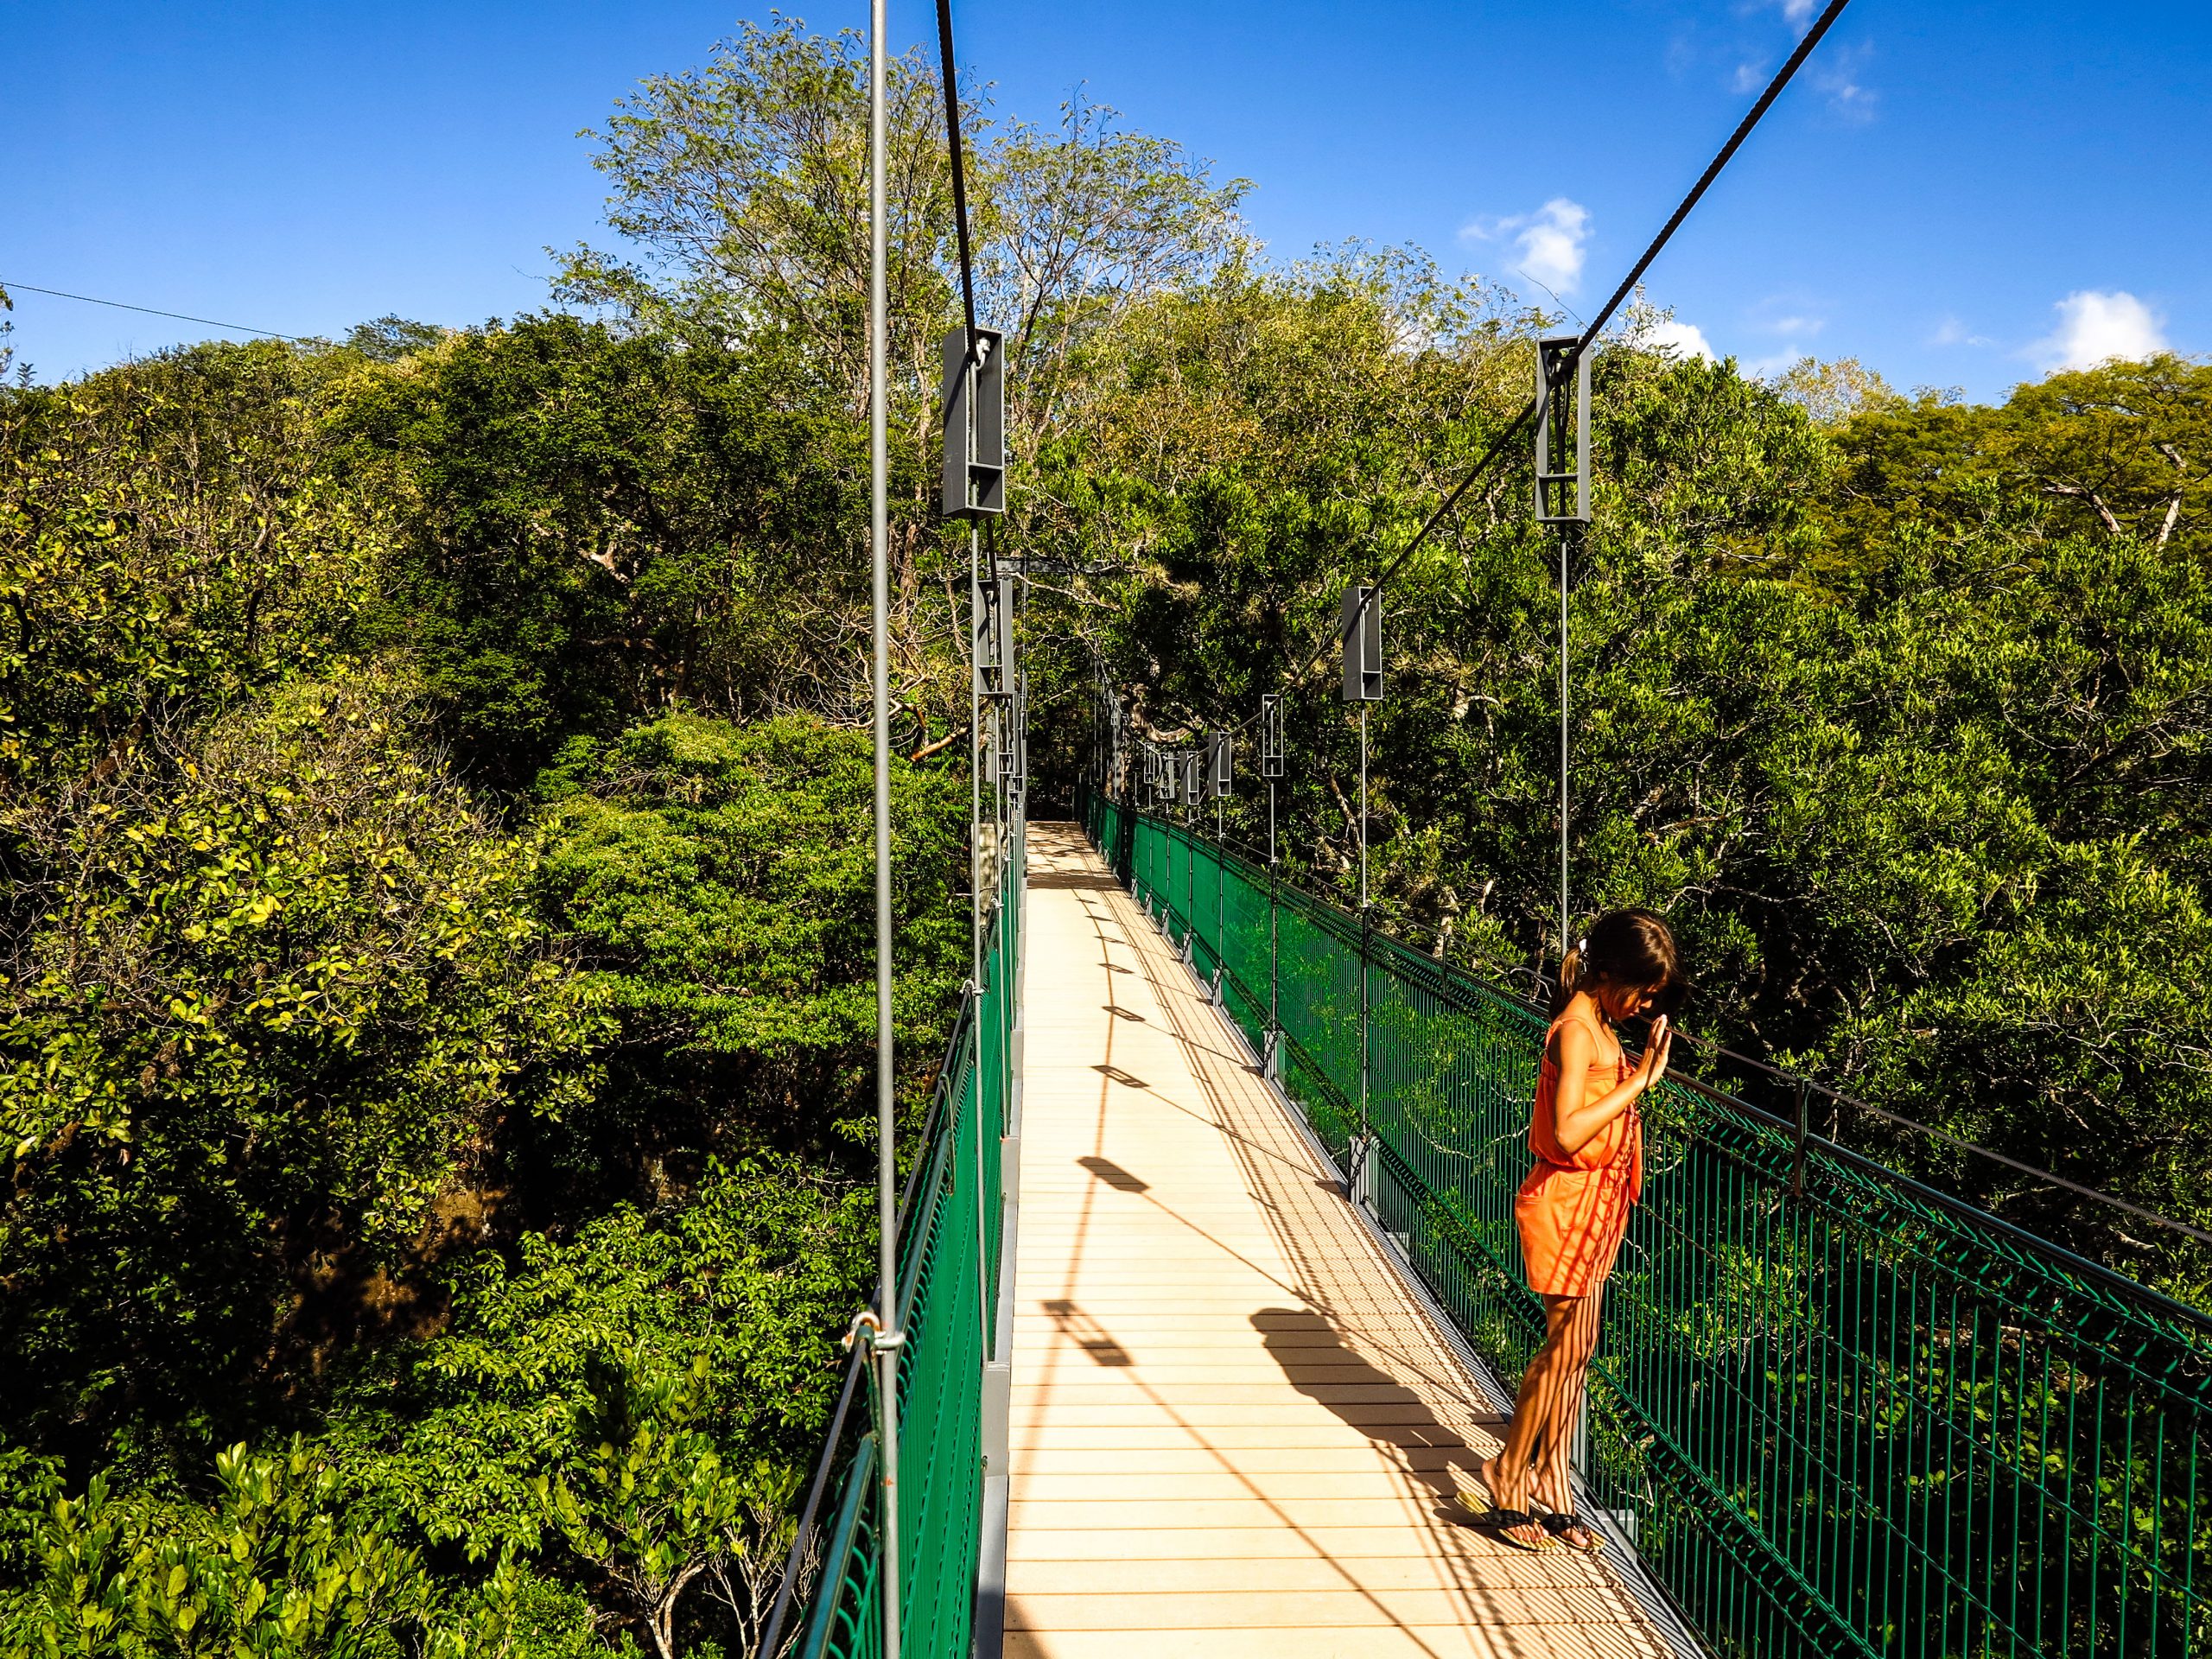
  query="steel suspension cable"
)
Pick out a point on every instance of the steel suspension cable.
point(949, 73)
point(950, 76)
point(156, 311)
point(1526, 416)
point(1566, 924)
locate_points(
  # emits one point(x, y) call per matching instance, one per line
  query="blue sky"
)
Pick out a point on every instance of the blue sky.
point(1962, 195)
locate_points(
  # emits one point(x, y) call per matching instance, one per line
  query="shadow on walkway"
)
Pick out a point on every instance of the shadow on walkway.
point(1315, 1361)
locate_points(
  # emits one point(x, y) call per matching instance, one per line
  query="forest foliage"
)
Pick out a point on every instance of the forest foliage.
point(435, 956)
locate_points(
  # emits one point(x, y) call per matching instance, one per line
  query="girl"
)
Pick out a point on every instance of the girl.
point(1573, 1210)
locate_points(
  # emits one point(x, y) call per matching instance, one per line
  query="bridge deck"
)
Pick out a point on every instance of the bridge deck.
point(1233, 1427)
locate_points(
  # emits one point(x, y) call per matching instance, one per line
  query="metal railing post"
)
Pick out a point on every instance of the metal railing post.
point(1566, 924)
point(1220, 904)
point(1273, 1060)
point(1804, 1131)
point(1364, 1184)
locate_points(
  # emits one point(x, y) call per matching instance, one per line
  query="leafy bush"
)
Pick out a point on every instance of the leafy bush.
point(278, 1565)
point(586, 524)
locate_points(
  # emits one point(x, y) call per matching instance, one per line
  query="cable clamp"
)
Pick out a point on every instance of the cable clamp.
point(868, 1327)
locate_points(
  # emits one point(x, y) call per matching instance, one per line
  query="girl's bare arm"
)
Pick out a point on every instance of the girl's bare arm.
point(1580, 1117)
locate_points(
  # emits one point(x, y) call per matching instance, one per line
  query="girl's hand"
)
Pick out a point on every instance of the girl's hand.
point(1653, 1065)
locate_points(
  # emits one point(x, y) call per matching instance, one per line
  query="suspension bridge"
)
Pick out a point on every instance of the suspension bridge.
point(1194, 1344)
point(1201, 1294)
point(1234, 1424)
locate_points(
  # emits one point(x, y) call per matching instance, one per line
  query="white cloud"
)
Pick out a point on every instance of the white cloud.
point(1552, 242)
point(1794, 315)
point(2094, 326)
point(1951, 332)
point(1849, 97)
point(1552, 248)
point(1683, 338)
point(1799, 12)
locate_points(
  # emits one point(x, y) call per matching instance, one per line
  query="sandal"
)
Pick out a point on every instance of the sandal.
point(1475, 1495)
point(1559, 1525)
point(1510, 1521)
point(1481, 1502)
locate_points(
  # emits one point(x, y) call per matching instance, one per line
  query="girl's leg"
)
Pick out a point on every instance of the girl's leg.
point(1554, 1485)
point(1536, 1408)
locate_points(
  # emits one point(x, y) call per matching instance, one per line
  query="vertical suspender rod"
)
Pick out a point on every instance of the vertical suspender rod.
point(1566, 927)
point(889, 1336)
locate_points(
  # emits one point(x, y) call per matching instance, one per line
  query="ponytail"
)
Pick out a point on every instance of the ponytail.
point(1628, 947)
point(1570, 978)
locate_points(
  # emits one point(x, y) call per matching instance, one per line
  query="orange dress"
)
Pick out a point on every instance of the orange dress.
point(1571, 1212)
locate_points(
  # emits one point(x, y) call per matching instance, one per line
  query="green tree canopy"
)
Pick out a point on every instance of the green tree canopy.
point(275, 983)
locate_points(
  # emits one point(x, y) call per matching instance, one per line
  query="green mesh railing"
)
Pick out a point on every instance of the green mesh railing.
point(1838, 1413)
point(950, 1232)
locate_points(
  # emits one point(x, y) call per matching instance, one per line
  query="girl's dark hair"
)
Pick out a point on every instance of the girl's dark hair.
point(1633, 948)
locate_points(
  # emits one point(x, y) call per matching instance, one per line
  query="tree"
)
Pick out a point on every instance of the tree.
point(589, 527)
point(273, 1568)
point(641, 1394)
point(169, 543)
point(653, 1506)
point(744, 186)
point(2123, 448)
point(719, 882)
point(1833, 393)
point(277, 1565)
point(273, 985)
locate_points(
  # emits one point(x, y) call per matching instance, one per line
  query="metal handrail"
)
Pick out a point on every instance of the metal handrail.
point(832, 1626)
point(843, 1535)
point(856, 1359)
point(1849, 1413)
point(1253, 869)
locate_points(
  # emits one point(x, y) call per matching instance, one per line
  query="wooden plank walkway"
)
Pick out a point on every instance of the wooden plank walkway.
point(1232, 1427)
